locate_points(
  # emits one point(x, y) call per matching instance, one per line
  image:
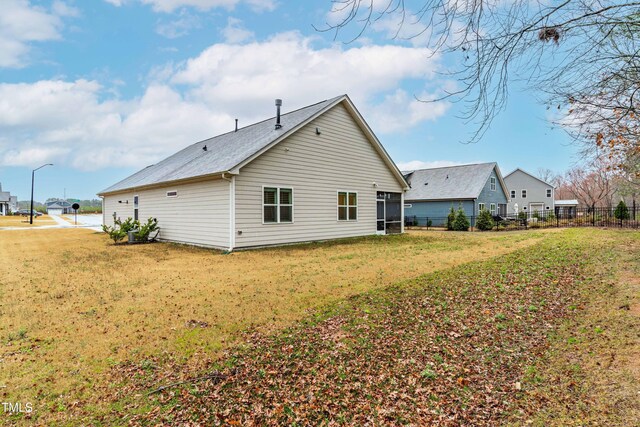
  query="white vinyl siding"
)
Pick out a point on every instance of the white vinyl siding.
point(199, 216)
point(341, 157)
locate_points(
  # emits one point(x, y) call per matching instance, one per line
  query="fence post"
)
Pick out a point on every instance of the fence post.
point(593, 215)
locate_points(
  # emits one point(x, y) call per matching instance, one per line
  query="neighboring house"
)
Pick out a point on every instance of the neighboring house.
point(59, 207)
point(566, 208)
point(316, 173)
point(529, 193)
point(8, 203)
point(474, 187)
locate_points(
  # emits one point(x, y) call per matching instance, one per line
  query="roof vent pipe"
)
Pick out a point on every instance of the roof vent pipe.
point(236, 125)
point(278, 105)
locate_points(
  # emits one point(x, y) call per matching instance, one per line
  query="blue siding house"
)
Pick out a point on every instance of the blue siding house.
point(473, 187)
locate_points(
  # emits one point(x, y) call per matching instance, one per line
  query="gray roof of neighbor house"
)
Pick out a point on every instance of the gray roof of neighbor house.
point(568, 202)
point(451, 182)
point(58, 204)
point(5, 196)
point(228, 151)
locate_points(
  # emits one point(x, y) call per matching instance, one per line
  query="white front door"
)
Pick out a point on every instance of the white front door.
point(536, 207)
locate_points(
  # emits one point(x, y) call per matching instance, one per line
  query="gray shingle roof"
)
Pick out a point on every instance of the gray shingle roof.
point(452, 182)
point(224, 152)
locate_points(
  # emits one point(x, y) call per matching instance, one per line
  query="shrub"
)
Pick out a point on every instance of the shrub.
point(145, 230)
point(522, 215)
point(461, 222)
point(120, 229)
point(485, 221)
point(451, 219)
point(622, 211)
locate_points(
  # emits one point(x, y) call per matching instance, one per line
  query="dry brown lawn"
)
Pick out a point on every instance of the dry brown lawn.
point(23, 221)
point(72, 304)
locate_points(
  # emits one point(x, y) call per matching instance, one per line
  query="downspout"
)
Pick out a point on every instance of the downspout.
point(232, 210)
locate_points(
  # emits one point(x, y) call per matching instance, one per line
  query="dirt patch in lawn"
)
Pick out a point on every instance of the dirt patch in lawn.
point(73, 305)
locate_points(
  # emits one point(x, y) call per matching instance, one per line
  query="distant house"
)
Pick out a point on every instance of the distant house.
point(316, 173)
point(529, 193)
point(8, 203)
point(59, 207)
point(473, 187)
point(566, 208)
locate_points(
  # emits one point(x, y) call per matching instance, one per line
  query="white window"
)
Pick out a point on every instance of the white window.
point(277, 205)
point(492, 180)
point(480, 207)
point(513, 194)
point(135, 207)
point(493, 208)
point(524, 194)
point(548, 192)
point(347, 206)
point(172, 194)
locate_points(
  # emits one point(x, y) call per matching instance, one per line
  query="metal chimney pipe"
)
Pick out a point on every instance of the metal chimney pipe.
point(278, 105)
point(236, 125)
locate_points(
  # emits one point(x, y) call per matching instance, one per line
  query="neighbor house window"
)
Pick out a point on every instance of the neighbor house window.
point(277, 205)
point(347, 206)
point(513, 194)
point(172, 194)
point(135, 208)
point(480, 207)
point(524, 194)
point(548, 192)
point(493, 208)
point(493, 183)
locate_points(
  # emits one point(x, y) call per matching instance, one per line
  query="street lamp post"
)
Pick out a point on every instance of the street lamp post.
point(33, 174)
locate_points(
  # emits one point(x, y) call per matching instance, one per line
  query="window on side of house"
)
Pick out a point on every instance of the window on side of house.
point(513, 194)
point(480, 207)
point(548, 192)
point(524, 194)
point(493, 208)
point(347, 206)
point(135, 207)
point(277, 205)
point(492, 181)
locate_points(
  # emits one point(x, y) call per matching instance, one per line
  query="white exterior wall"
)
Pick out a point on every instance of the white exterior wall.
point(536, 192)
point(341, 158)
point(199, 215)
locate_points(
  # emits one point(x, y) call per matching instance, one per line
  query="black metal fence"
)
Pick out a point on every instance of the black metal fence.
point(574, 217)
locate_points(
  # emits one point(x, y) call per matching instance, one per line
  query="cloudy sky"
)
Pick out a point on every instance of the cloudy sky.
point(102, 88)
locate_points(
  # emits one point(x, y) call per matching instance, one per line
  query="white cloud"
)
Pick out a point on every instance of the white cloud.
point(21, 24)
point(235, 32)
point(168, 6)
point(84, 125)
point(419, 164)
point(179, 27)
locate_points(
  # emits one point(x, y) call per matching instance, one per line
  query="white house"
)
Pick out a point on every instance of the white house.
point(59, 207)
point(316, 173)
point(8, 203)
point(530, 193)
